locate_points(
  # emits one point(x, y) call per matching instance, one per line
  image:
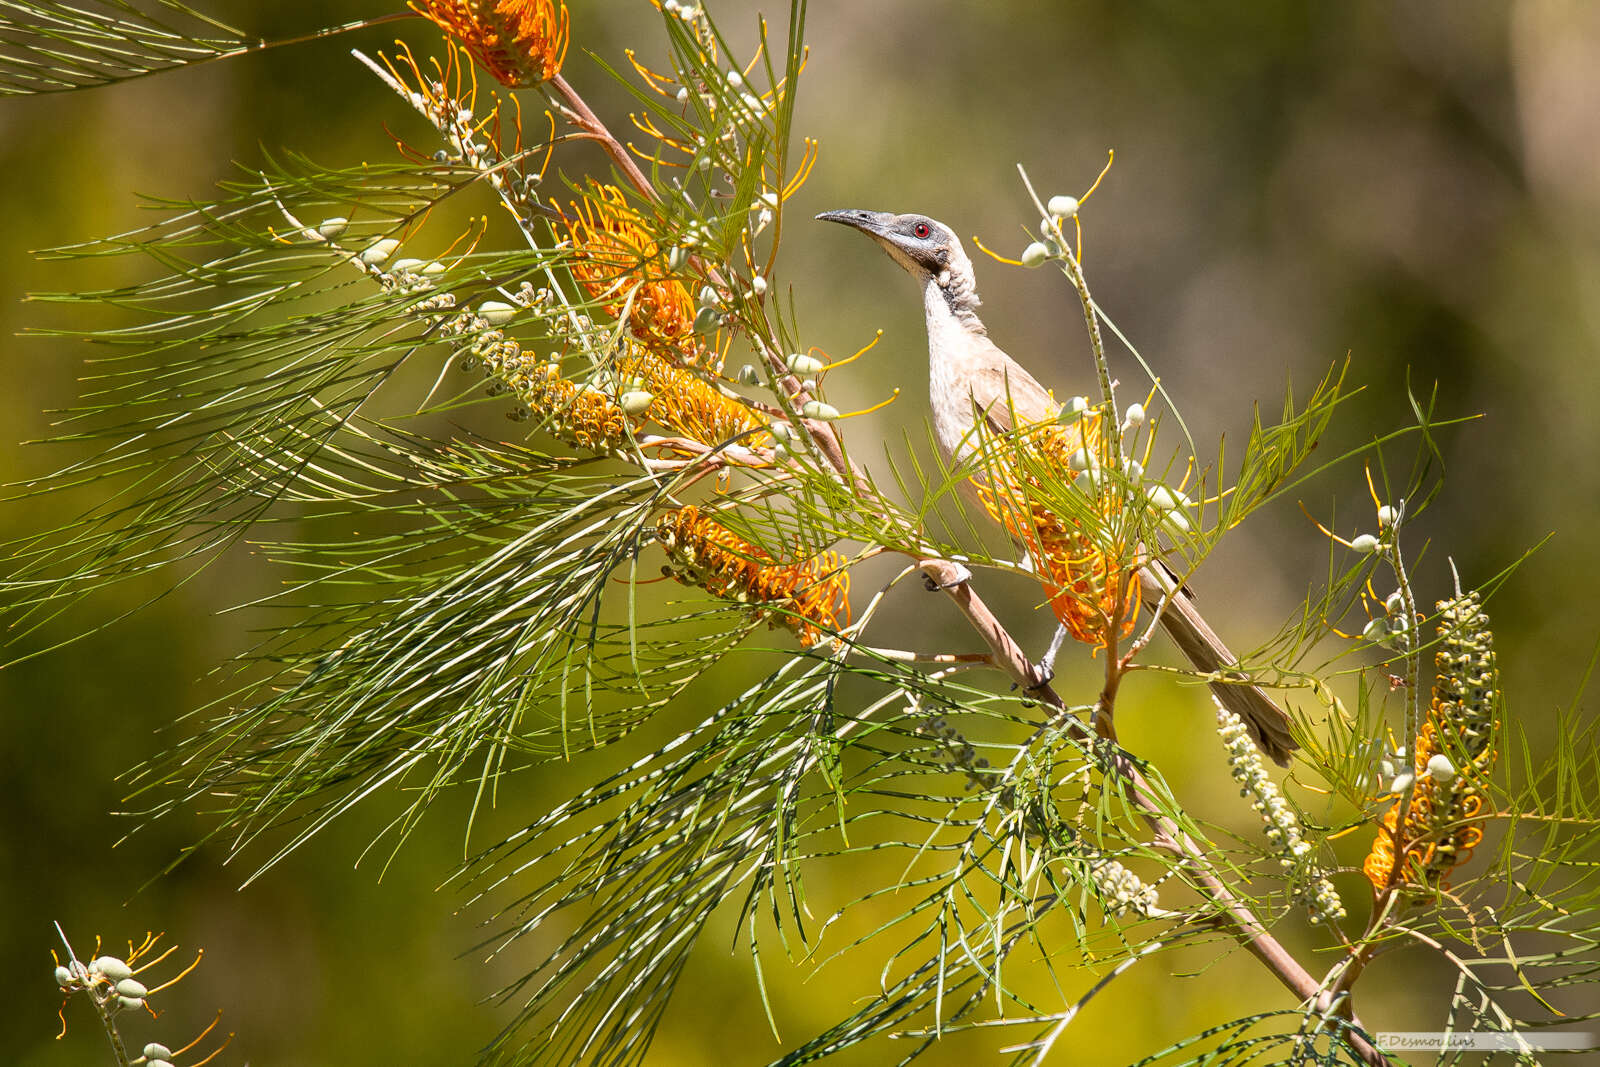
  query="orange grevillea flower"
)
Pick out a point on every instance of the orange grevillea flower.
point(810, 597)
point(1444, 821)
point(1089, 586)
point(619, 263)
point(520, 42)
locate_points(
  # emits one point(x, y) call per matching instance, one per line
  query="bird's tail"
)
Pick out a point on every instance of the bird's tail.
point(1268, 724)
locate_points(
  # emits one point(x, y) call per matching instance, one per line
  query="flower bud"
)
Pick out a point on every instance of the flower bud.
point(1035, 254)
point(748, 375)
point(705, 320)
point(1167, 498)
point(408, 266)
point(1063, 207)
point(1402, 783)
point(1388, 517)
point(800, 363)
point(496, 312)
point(1396, 603)
point(1440, 767)
point(1134, 470)
point(65, 977)
point(1376, 631)
point(1365, 544)
point(635, 401)
point(378, 251)
point(676, 258)
point(132, 987)
point(818, 409)
point(1072, 410)
point(111, 967)
point(758, 285)
point(334, 227)
point(1081, 460)
point(1134, 416)
point(155, 1050)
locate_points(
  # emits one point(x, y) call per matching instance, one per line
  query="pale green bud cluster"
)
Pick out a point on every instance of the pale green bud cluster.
point(1122, 891)
point(1282, 824)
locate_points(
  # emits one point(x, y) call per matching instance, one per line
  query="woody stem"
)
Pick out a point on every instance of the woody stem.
point(590, 123)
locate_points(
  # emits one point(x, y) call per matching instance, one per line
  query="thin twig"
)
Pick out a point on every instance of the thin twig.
point(590, 123)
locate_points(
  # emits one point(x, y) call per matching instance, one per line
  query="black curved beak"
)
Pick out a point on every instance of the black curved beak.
point(872, 222)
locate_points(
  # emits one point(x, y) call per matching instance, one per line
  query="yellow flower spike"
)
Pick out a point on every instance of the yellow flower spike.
point(1454, 751)
point(520, 42)
point(689, 404)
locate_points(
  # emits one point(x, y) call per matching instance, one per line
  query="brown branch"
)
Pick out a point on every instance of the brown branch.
point(590, 123)
point(1255, 937)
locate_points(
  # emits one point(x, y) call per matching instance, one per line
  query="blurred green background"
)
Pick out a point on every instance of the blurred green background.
point(1416, 184)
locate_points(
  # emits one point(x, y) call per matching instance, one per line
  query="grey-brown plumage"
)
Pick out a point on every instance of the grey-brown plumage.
point(969, 376)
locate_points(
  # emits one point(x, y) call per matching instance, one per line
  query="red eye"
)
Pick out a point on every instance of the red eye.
point(921, 229)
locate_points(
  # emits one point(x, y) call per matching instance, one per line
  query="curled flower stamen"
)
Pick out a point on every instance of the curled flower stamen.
point(810, 597)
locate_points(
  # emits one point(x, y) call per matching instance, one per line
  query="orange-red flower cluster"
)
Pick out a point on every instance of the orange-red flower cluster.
point(810, 597)
point(1444, 822)
point(1090, 589)
point(520, 42)
point(618, 263)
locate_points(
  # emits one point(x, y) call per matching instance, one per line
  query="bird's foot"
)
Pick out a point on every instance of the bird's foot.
point(961, 576)
point(1046, 667)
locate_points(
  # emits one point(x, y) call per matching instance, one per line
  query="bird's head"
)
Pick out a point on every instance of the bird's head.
point(925, 247)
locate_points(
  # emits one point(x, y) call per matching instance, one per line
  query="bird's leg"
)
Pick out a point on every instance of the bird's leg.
point(1047, 665)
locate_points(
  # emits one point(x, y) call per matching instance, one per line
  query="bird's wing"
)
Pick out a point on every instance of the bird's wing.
point(1000, 387)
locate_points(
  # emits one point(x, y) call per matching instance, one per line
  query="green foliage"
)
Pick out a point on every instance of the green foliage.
point(460, 609)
